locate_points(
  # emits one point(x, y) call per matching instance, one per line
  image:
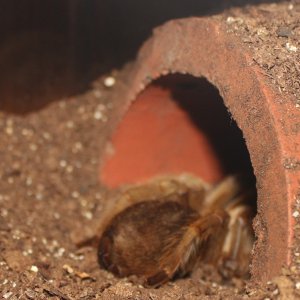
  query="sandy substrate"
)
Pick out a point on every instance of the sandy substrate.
point(51, 200)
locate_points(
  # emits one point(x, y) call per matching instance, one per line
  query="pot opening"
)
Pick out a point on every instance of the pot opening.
point(179, 124)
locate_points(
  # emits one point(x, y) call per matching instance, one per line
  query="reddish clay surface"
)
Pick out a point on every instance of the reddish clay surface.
point(158, 137)
point(204, 48)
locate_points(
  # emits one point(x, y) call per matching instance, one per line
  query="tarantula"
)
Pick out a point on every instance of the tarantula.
point(161, 229)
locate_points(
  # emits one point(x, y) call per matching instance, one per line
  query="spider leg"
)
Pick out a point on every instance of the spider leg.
point(219, 196)
point(183, 248)
point(237, 247)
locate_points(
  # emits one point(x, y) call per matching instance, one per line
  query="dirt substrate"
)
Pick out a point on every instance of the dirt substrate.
point(50, 197)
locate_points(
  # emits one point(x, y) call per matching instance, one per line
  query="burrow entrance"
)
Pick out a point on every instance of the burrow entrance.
point(178, 124)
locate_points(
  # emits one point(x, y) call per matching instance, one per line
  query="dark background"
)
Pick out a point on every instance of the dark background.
point(55, 48)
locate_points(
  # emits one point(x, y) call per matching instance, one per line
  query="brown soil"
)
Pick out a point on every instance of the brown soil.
point(51, 199)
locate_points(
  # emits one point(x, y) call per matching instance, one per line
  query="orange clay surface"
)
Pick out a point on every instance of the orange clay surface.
point(157, 137)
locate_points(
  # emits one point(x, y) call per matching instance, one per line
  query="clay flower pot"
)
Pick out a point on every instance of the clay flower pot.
point(157, 131)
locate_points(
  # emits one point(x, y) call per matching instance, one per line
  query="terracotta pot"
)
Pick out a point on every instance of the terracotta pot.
point(155, 134)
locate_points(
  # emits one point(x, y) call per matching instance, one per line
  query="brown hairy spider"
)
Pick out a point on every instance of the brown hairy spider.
point(161, 229)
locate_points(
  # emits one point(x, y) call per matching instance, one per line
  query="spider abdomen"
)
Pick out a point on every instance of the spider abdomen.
point(136, 239)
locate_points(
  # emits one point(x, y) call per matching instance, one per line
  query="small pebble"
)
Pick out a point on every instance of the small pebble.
point(291, 47)
point(109, 81)
point(296, 214)
point(88, 215)
point(34, 269)
point(68, 268)
point(276, 292)
point(98, 115)
point(231, 20)
point(63, 163)
point(60, 252)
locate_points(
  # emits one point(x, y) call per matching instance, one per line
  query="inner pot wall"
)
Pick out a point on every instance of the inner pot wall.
point(177, 125)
